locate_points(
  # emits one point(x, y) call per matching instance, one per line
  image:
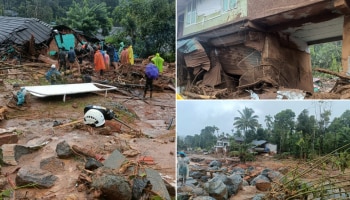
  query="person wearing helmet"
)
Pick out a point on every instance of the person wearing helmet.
point(94, 118)
point(53, 75)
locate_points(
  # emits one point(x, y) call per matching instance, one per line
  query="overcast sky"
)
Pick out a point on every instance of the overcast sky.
point(194, 115)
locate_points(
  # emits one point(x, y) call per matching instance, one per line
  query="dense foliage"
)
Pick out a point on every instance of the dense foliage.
point(148, 25)
point(302, 136)
point(327, 56)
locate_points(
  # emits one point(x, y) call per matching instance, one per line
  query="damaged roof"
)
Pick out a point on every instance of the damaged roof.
point(19, 30)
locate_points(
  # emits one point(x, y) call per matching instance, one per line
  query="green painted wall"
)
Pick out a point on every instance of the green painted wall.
point(204, 22)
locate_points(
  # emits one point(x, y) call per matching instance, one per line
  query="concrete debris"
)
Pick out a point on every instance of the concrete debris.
point(115, 160)
point(157, 182)
point(52, 164)
point(92, 164)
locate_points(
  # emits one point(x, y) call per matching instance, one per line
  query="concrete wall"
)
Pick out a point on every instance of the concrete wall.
point(293, 65)
point(210, 14)
point(263, 8)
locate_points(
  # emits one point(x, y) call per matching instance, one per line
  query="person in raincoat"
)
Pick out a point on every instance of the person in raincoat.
point(158, 61)
point(107, 60)
point(131, 55)
point(53, 75)
point(151, 73)
point(182, 166)
point(99, 62)
point(124, 57)
point(121, 48)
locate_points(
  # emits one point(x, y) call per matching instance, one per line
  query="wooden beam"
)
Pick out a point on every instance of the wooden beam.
point(346, 45)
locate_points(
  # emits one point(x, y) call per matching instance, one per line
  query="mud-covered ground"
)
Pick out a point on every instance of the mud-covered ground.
point(152, 121)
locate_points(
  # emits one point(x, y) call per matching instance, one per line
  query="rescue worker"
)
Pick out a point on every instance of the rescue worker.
point(62, 59)
point(53, 75)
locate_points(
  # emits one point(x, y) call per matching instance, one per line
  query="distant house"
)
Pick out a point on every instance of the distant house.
point(262, 146)
point(223, 144)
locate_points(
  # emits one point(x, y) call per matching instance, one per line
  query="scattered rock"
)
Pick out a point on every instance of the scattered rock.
point(262, 185)
point(32, 175)
point(92, 164)
point(63, 150)
point(262, 177)
point(139, 186)
point(215, 163)
point(259, 197)
point(10, 153)
point(183, 196)
point(52, 164)
point(196, 174)
point(239, 171)
point(112, 187)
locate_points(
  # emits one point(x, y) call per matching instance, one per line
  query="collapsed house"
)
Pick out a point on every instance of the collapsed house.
point(256, 45)
point(34, 39)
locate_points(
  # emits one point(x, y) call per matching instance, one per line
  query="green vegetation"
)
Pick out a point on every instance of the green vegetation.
point(302, 136)
point(327, 56)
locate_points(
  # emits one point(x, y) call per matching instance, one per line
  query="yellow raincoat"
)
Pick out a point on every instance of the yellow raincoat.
point(131, 55)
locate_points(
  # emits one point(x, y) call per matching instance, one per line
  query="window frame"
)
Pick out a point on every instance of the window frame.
point(228, 5)
point(191, 14)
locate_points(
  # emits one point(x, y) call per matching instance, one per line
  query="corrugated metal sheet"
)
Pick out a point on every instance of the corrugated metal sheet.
point(19, 30)
point(258, 142)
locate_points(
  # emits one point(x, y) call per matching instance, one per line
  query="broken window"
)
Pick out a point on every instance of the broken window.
point(191, 12)
point(229, 5)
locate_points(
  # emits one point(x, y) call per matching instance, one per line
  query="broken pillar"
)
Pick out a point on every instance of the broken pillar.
point(344, 7)
point(346, 45)
point(292, 65)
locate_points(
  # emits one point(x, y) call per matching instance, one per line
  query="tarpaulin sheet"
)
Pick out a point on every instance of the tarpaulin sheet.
point(64, 89)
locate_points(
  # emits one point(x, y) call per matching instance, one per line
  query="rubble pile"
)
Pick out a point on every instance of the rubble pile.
point(225, 179)
point(49, 153)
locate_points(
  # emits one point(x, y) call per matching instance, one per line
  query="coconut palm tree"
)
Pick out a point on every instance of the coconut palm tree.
point(246, 121)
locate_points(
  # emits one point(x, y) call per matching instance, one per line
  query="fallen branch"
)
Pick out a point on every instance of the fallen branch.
point(332, 73)
point(70, 123)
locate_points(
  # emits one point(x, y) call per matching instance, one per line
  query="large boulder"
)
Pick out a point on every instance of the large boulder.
point(216, 189)
point(234, 184)
point(260, 177)
point(238, 170)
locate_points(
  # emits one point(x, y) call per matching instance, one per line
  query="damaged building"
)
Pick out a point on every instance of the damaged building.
point(237, 48)
point(31, 38)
